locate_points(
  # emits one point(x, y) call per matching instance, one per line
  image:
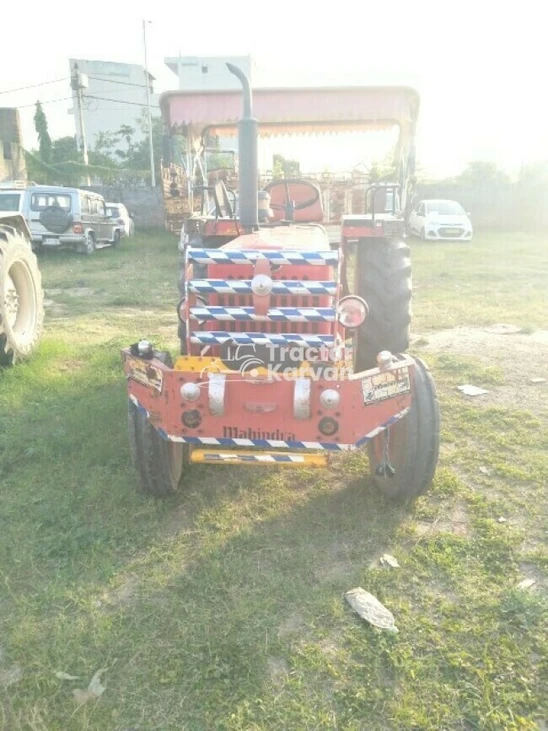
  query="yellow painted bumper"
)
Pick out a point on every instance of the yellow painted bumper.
point(241, 457)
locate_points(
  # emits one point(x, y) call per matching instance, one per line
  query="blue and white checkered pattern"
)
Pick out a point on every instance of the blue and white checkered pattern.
point(287, 287)
point(265, 443)
point(274, 314)
point(283, 257)
point(218, 337)
point(379, 429)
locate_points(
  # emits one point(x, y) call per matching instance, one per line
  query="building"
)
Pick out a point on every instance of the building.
point(208, 72)
point(115, 95)
point(12, 157)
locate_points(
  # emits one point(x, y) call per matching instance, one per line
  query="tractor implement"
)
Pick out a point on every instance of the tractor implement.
point(283, 360)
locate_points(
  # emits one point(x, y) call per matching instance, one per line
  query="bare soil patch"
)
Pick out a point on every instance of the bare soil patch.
point(522, 356)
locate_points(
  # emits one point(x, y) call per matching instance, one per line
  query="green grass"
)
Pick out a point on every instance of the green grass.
point(495, 278)
point(223, 608)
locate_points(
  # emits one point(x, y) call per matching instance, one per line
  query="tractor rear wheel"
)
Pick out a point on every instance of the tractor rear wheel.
point(159, 462)
point(21, 297)
point(403, 458)
point(383, 279)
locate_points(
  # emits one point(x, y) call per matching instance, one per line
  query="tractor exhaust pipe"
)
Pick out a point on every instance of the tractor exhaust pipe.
point(248, 129)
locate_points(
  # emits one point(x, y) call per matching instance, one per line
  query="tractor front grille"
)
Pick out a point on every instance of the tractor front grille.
point(301, 303)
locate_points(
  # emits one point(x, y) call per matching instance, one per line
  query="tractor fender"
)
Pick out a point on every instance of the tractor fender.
point(16, 221)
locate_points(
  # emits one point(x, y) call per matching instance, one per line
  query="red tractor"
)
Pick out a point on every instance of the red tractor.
point(291, 351)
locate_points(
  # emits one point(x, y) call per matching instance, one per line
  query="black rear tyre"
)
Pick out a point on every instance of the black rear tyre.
point(383, 279)
point(159, 462)
point(411, 444)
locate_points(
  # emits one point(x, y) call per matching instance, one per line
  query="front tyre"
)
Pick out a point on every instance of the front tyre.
point(159, 462)
point(21, 297)
point(403, 458)
point(383, 279)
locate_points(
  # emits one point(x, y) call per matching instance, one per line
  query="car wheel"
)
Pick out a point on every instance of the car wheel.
point(89, 244)
point(423, 234)
point(116, 238)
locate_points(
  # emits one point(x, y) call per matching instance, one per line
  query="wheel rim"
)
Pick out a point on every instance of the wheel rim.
point(20, 303)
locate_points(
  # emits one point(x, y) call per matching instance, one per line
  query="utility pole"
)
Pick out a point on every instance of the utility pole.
point(147, 85)
point(78, 82)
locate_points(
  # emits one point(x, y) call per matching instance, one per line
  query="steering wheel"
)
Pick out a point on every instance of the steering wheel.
point(287, 183)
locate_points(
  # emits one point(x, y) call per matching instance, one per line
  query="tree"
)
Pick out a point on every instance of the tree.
point(482, 174)
point(65, 149)
point(126, 134)
point(283, 168)
point(534, 174)
point(383, 171)
point(44, 140)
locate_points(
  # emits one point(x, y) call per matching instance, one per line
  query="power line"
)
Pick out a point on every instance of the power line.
point(88, 96)
point(47, 101)
point(33, 86)
point(117, 81)
point(119, 101)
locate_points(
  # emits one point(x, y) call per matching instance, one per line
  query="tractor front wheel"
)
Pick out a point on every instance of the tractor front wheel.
point(159, 462)
point(403, 458)
point(383, 279)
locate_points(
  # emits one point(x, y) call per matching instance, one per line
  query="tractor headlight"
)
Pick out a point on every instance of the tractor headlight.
point(352, 311)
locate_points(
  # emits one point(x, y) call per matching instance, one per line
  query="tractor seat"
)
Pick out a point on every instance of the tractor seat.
point(295, 200)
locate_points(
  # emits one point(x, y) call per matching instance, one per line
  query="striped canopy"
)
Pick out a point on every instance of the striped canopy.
point(293, 110)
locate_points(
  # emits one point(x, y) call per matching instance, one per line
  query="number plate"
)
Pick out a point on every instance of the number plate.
point(50, 242)
point(453, 231)
point(385, 385)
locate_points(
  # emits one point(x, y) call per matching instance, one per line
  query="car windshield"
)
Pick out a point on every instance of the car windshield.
point(114, 212)
point(41, 201)
point(445, 208)
point(10, 201)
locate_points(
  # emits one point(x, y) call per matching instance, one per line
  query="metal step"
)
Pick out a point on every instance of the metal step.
point(241, 457)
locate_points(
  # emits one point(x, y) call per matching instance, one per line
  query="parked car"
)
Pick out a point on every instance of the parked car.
point(11, 200)
point(120, 213)
point(435, 220)
point(64, 217)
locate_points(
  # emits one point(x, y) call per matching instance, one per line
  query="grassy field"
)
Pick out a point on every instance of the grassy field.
point(223, 607)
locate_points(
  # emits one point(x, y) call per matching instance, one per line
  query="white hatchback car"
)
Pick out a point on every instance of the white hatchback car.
point(120, 214)
point(435, 220)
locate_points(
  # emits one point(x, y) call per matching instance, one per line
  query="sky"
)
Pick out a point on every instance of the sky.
point(478, 66)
